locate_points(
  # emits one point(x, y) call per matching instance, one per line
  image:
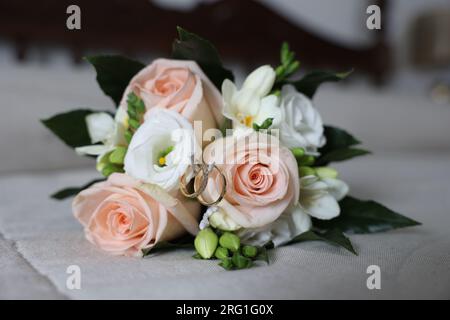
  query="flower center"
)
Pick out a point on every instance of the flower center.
point(245, 120)
point(162, 156)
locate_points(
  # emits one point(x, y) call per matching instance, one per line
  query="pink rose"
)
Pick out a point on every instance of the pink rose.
point(262, 178)
point(181, 86)
point(122, 219)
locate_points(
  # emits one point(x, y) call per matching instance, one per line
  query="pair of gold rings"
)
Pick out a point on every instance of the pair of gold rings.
point(202, 172)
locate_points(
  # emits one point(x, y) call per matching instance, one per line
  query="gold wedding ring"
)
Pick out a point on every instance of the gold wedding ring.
point(183, 188)
point(204, 170)
point(222, 192)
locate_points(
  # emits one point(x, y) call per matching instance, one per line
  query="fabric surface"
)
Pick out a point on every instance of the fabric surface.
point(40, 239)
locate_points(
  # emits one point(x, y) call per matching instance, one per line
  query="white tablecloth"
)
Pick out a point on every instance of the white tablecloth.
point(40, 239)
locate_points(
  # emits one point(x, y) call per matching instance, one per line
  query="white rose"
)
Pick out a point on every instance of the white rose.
point(318, 198)
point(162, 148)
point(301, 125)
point(251, 104)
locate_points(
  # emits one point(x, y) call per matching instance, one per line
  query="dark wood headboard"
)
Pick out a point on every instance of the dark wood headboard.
point(243, 30)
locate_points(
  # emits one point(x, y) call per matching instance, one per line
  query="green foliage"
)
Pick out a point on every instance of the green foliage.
point(359, 216)
point(264, 126)
point(70, 127)
point(190, 46)
point(339, 146)
point(309, 83)
point(288, 64)
point(135, 111)
point(333, 236)
point(71, 191)
point(114, 73)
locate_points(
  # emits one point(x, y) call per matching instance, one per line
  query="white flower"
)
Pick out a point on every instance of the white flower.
point(251, 104)
point(301, 125)
point(102, 127)
point(290, 224)
point(220, 220)
point(161, 150)
point(216, 217)
point(318, 198)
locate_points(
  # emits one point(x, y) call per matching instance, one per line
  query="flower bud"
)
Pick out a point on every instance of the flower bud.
point(306, 171)
point(99, 125)
point(249, 251)
point(102, 162)
point(206, 243)
point(221, 253)
point(261, 80)
point(220, 220)
point(133, 123)
point(306, 160)
point(118, 155)
point(298, 152)
point(230, 241)
point(326, 172)
point(110, 168)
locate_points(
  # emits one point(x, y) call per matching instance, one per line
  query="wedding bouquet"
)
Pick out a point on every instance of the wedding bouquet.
point(191, 159)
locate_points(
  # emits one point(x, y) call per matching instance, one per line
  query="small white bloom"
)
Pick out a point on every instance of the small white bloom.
point(217, 218)
point(161, 150)
point(260, 80)
point(318, 198)
point(102, 127)
point(289, 225)
point(220, 220)
point(301, 124)
point(251, 104)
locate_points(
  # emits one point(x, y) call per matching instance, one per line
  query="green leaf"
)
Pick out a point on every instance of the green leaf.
point(358, 216)
point(241, 262)
point(227, 264)
point(186, 242)
point(114, 73)
point(70, 127)
point(264, 126)
point(338, 146)
point(333, 236)
point(337, 139)
point(311, 81)
point(71, 191)
point(262, 255)
point(340, 155)
point(190, 46)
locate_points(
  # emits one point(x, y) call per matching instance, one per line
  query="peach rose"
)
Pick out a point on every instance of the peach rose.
point(262, 178)
point(122, 219)
point(181, 86)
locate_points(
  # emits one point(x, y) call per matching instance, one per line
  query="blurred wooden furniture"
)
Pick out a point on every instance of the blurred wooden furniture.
point(430, 39)
point(243, 30)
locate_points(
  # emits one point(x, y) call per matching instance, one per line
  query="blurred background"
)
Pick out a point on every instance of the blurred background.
point(397, 101)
